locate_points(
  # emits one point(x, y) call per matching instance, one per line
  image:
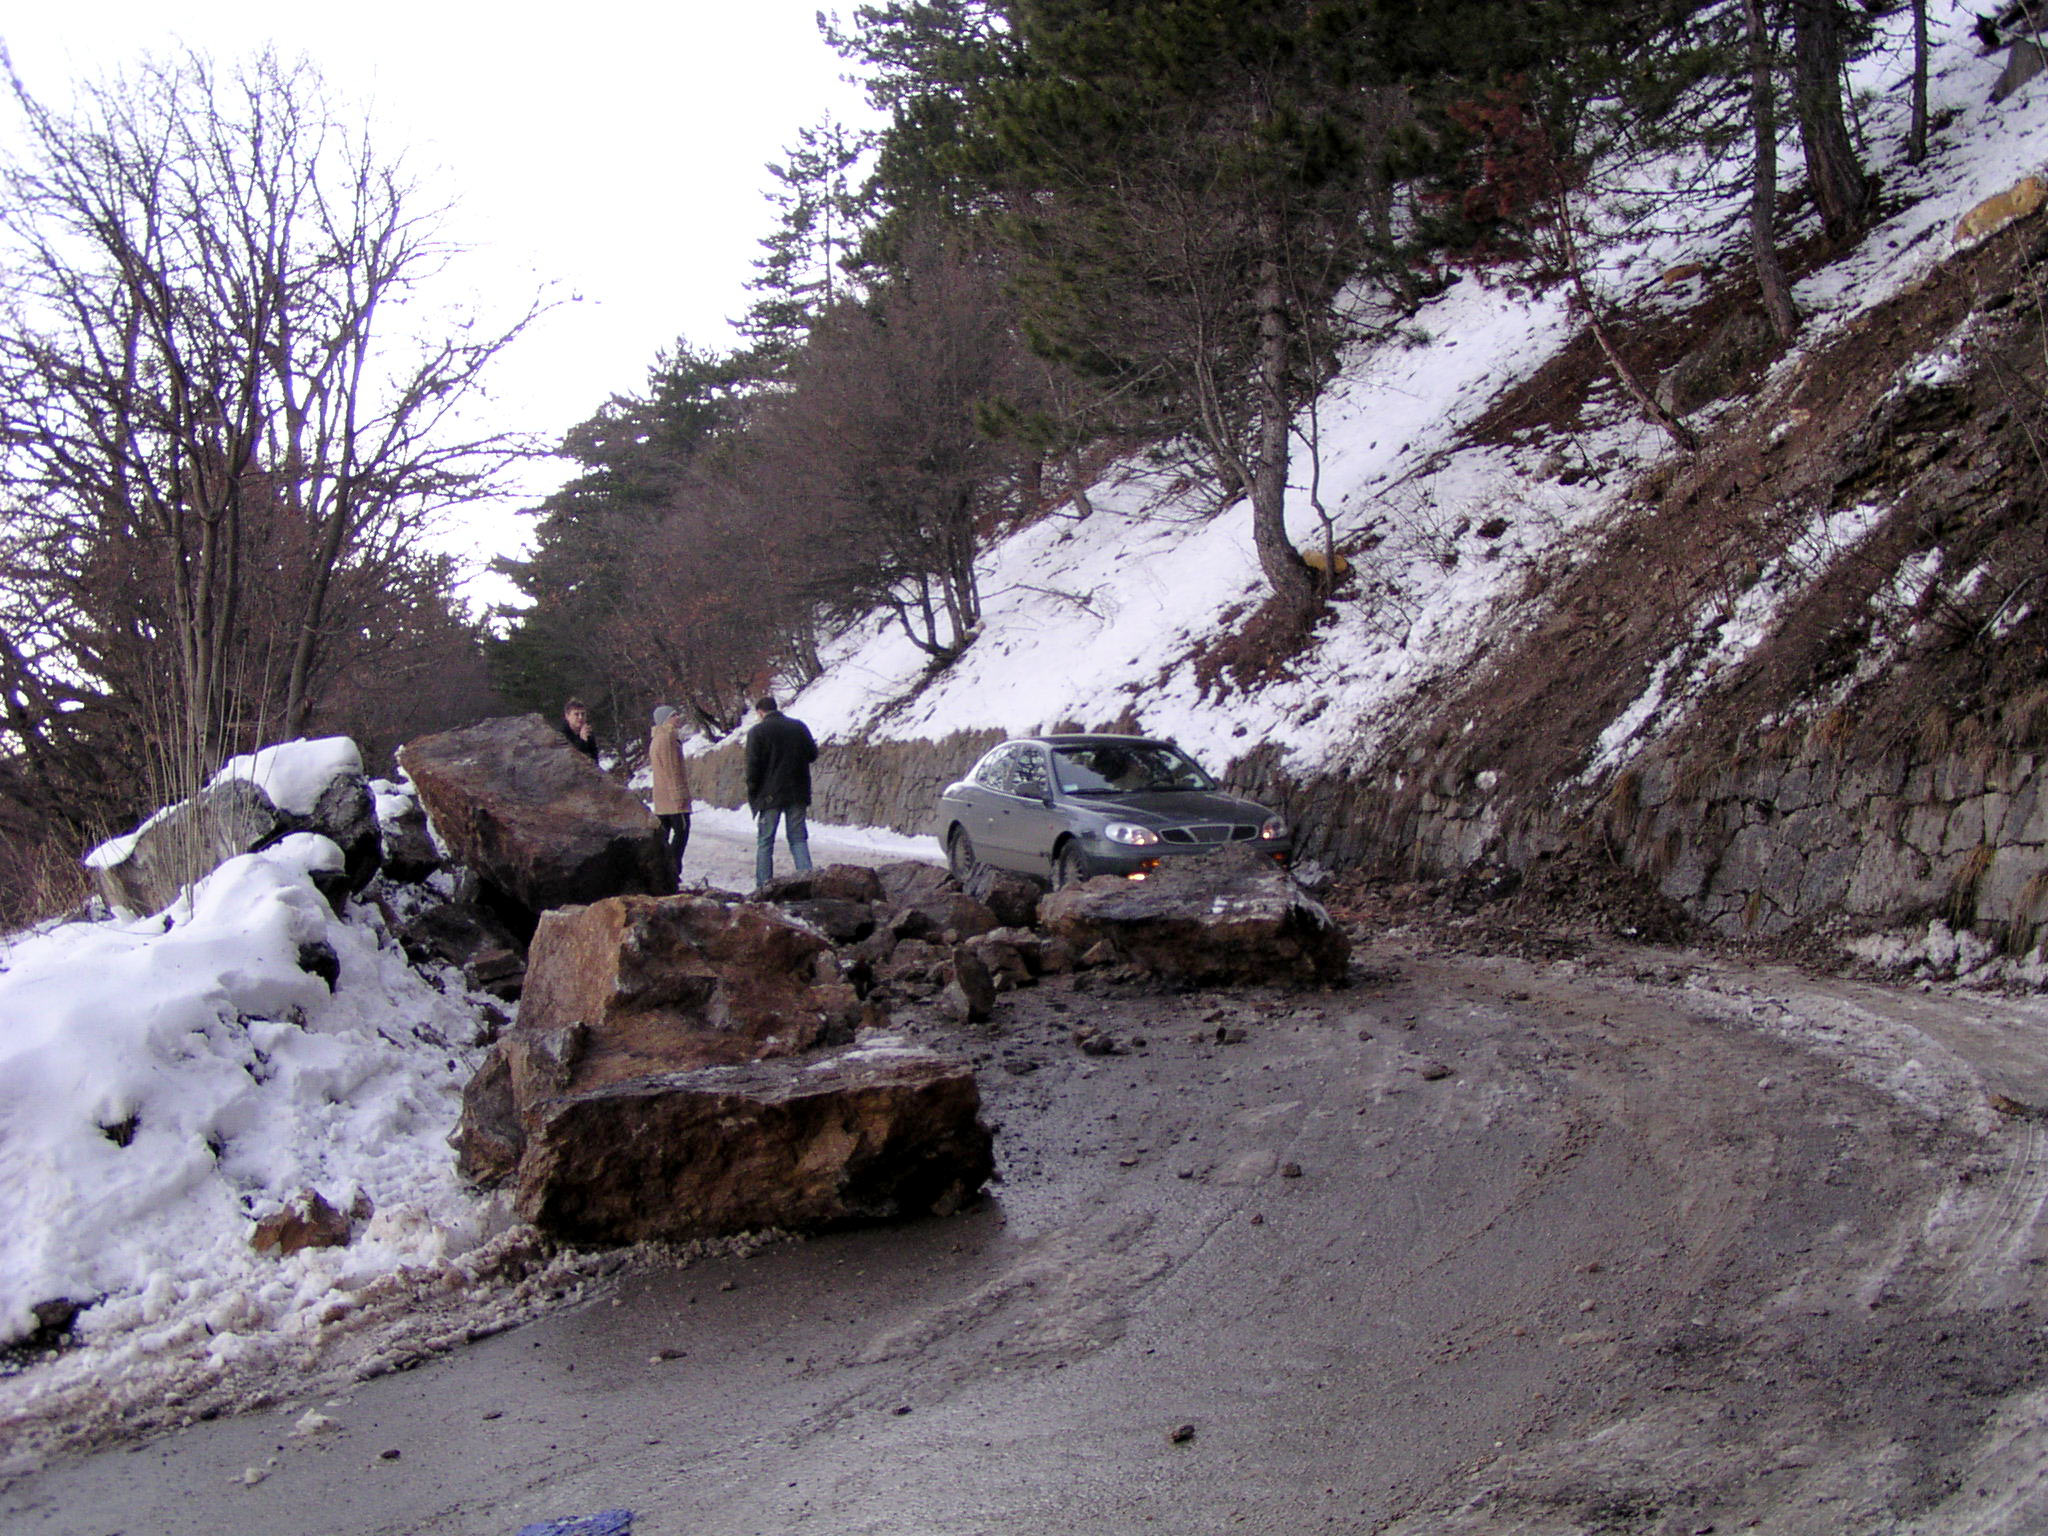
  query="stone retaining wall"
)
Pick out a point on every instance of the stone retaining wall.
point(1755, 848)
point(1769, 847)
point(892, 784)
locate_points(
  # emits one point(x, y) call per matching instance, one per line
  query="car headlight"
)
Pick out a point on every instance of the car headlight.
point(1275, 827)
point(1130, 834)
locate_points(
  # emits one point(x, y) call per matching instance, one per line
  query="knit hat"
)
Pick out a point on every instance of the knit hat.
point(662, 712)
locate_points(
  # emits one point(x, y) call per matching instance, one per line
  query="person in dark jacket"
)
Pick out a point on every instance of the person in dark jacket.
point(575, 728)
point(780, 752)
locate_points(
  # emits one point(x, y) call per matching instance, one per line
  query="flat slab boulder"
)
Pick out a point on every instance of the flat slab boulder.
point(832, 882)
point(539, 824)
point(873, 1133)
point(1231, 917)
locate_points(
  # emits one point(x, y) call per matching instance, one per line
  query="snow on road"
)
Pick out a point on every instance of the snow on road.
point(721, 851)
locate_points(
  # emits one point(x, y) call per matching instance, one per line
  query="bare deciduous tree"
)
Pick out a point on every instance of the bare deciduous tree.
point(877, 466)
point(227, 415)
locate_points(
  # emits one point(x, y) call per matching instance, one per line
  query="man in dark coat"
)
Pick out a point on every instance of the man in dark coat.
point(780, 752)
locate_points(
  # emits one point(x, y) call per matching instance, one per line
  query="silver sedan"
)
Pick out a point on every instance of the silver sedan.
point(1064, 808)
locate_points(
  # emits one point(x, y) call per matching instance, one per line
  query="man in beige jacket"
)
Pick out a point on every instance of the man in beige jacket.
point(671, 784)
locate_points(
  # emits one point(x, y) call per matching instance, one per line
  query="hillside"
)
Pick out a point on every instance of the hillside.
point(1776, 678)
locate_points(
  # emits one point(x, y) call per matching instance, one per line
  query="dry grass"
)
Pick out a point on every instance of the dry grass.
point(1935, 731)
point(2024, 722)
point(1263, 648)
point(1960, 906)
point(1624, 798)
point(1829, 736)
point(38, 881)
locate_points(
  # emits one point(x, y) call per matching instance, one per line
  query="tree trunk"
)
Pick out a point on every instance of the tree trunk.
point(1763, 201)
point(1916, 135)
point(1624, 372)
point(298, 706)
point(1841, 191)
point(1283, 566)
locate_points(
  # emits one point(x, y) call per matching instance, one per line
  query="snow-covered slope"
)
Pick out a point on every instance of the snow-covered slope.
point(1088, 620)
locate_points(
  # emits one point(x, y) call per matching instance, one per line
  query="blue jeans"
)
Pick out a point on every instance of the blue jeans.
point(792, 819)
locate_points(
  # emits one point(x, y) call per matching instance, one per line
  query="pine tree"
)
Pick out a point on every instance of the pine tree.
point(819, 210)
point(1822, 35)
point(636, 455)
point(1185, 183)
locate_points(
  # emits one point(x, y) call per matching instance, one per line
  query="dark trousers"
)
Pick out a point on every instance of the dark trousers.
point(675, 837)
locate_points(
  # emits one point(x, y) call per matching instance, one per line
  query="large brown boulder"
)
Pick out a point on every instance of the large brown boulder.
point(668, 983)
point(539, 824)
point(627, 1004)
point(859, 1135)
point(671, 1076)
point(1232, 916)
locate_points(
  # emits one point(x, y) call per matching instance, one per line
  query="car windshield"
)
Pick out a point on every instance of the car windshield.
point(1122, 769)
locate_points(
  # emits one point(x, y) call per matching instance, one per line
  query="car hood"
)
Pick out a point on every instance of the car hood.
point(1176, 808)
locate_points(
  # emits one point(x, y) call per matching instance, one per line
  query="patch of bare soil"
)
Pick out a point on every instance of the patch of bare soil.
point(1257, 645)
point(1559, 396)
point(1554, 909)
point(1958, 468)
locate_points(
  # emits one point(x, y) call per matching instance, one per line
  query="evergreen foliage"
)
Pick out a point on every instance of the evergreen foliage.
point(802, 267)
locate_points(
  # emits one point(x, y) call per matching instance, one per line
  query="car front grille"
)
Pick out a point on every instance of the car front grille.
point(1215, 832)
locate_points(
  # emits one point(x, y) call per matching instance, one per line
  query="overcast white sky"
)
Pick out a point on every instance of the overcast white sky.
point(610, 151)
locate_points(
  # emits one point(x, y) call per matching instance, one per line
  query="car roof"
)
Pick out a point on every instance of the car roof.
point(1091, 739)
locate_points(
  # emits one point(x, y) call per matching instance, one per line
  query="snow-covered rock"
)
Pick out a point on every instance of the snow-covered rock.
point(294, 786)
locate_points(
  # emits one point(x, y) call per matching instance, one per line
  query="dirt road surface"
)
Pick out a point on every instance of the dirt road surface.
point(1628, 1242)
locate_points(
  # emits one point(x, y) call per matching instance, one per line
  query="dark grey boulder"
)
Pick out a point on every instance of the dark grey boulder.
point(2024, 60)
point(409, 852)
point(226, 819)
point(1013, 898)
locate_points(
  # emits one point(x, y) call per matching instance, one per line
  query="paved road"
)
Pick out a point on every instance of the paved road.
point(1644, 1244)
point(721, 850)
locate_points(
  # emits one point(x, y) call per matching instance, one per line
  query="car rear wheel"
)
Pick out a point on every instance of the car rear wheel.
point(960, 855)
point(1068, 866)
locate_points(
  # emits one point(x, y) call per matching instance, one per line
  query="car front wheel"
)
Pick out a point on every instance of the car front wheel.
point(1068, 866)
point(960, 855)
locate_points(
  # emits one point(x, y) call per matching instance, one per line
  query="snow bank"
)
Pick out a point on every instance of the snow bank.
point(163, 1081)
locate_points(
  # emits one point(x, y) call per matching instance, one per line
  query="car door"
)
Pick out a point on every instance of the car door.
point(1033, 823)
point(999, 845)
point(980, 799)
